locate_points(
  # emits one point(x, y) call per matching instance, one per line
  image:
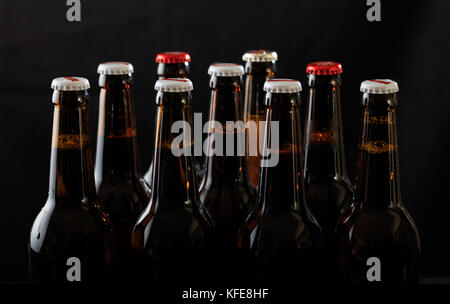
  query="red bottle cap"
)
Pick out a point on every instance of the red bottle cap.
point(173, 57)
point(324, 68)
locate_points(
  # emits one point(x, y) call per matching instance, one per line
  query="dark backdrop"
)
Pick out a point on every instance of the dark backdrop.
point(410, 45)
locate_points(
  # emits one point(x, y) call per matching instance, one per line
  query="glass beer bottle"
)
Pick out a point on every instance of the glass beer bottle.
point(226, 189)
point(170, 65)
point(120, 188)
point(260, 66)
point(328, 190)
point(72, 239)
point(171, 235)
point(280, 233)
point(377, 238)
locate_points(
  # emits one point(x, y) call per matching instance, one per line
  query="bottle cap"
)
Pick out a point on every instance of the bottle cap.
point(226, 69)
point(70, 84)
point(278, 85)
point(115, 68)
point(174, 85)
point(173, 57)
point(324, 68)
point(260, 56)
point(379, 86)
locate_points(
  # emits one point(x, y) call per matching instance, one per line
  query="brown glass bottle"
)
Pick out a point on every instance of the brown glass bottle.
point(377, 225)
point(226, 189)
point(280, 232)
point(72, 239)
point(328, 190)
point(170, 65)
point(171, 235)
point(120, 188)
point(260, 66)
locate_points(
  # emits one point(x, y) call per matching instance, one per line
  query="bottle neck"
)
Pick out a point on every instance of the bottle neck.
point(173, 178)
point(378, 179)
point(257, 74)
point(116, 141)
point(173, 70)
point(71, 169)
point(225, 151)
point(281, 187)
point(324, 142)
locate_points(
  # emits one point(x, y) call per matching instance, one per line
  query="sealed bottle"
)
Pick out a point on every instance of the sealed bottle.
point(282, 235)
point(260, 66)
point(226, 189)
point(171, 235)
point(377, 238)
point(170, 65)
point(121, 190)
point(72, 239)
point(328, 190)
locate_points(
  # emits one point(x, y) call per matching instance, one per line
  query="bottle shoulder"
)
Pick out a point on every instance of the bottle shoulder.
point(171, 217)
point(60, 223)
point(279, 229)
point(374, 225)
point(160, 224)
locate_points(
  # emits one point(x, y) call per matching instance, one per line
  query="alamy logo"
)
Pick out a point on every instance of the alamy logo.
point(373, 274)
point(74, 11)
point(374, 12)
point(73, 274)
point(229, 133)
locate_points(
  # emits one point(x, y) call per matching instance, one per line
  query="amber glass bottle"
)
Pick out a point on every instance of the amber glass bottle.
point(170, 65)
point(72, 239)
point(260, 65)
point(226, 189)
point(120, 188)
point(280, 232)
point(328, 190)
point(377, 238)
point(171, 236)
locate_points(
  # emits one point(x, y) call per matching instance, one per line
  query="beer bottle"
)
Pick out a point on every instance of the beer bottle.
point(226, 190)
point(377, 238)
point(328, 190)
point(120, 188)
point(172, 233)
point(170, 65)
point(280, 231)
point(259, 67)
point(72, 239)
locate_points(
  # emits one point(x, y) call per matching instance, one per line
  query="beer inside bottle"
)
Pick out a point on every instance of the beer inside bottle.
point(72, 239)
point(378, 240)
point(282, 235)
point(121, 190)
point(328, 190)
point(171, 235)
point(170, 65)
point(260, 66)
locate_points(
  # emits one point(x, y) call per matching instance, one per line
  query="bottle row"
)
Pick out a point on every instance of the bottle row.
point(277, 206)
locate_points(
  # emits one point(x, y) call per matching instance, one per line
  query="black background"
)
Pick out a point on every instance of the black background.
point(410, 45)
